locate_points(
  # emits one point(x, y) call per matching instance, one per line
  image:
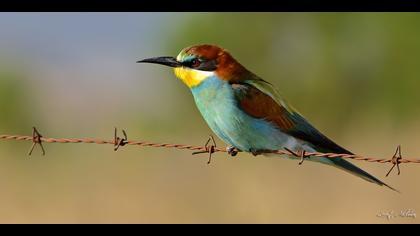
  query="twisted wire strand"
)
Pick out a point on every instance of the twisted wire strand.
point(201, 148)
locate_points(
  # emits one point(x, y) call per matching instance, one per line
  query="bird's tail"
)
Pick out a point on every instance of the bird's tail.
point(352, 169)
point(344, 165)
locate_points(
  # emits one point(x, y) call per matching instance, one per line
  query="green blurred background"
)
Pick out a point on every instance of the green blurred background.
point(355, 76)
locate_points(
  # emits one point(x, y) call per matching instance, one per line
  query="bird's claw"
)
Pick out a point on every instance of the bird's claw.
point(232, 151)
point(255, 152)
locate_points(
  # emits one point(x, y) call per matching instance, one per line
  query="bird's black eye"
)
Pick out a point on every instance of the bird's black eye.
point(195, 63)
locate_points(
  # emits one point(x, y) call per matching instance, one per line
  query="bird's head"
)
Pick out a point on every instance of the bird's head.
point(195, 64)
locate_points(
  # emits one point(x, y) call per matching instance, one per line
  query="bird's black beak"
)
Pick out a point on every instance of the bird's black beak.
point(167, 61)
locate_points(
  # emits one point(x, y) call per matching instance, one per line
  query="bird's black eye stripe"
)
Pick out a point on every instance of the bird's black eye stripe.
point(201, 64)
point(193, 63)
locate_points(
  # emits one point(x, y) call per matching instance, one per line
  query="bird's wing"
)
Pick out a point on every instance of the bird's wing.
point(260, 99)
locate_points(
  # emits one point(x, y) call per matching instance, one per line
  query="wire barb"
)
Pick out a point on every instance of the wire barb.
point(210, 149)
point(300, 153)
point(396, 160)
point(36, 139)
point(119, 142)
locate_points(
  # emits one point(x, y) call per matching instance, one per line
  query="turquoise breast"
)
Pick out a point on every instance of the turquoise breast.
point(216, 101)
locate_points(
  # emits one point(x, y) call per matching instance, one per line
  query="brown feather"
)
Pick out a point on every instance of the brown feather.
point(260, 105)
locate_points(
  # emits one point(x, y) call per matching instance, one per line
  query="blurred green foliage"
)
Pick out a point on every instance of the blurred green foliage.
point(332, 66)
point(14, 115)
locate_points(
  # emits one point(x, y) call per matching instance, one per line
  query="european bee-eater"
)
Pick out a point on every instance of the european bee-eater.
point(246, 111)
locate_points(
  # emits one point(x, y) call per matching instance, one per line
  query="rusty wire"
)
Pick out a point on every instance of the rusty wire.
point(37, 138)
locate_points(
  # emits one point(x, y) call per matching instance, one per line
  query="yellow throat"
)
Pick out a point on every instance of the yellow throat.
point(191, 77)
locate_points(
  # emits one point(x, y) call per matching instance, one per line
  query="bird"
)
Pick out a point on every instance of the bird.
point(247, 112)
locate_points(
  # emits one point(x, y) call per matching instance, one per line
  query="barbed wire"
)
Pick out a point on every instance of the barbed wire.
point(210, 148)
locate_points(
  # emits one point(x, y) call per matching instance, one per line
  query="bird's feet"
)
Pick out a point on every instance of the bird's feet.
point(256, 152)
point(232, 151)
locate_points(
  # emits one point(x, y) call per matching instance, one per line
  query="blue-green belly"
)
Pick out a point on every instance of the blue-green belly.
point(216, 102)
